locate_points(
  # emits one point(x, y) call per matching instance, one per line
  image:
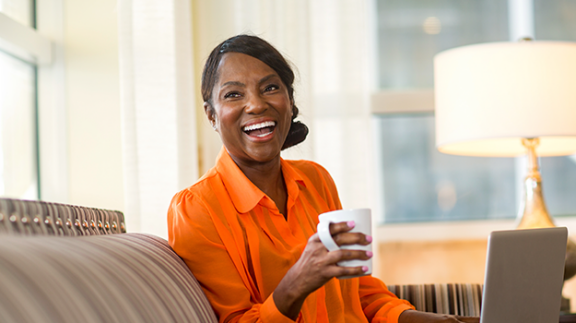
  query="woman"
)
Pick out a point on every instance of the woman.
point(247, 230)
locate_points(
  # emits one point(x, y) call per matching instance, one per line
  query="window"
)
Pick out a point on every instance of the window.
point(21, 48)
point(422, 184)
point(18, 145)
point(419, 184)
point(411, 32)
point(555, 19)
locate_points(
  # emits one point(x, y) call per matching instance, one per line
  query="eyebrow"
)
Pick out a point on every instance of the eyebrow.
point(262, 80)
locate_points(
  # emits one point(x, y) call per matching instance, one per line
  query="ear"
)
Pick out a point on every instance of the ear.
point(210, 114)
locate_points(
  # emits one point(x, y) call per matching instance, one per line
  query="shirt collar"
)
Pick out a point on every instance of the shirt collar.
point(292, 178)
point(243, 193)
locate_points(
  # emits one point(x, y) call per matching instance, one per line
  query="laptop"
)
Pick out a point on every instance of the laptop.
point(524, 276)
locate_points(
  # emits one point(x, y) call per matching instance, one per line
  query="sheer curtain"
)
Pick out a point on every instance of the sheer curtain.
point(159, 125)
point(327, 41)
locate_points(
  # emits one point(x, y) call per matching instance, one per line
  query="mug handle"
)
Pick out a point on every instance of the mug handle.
point(325, 236)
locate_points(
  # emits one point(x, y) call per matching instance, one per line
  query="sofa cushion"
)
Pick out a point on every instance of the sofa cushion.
point(456, 299)
point(106, 278)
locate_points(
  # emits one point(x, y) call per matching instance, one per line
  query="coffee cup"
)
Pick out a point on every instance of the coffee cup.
point(363, 223)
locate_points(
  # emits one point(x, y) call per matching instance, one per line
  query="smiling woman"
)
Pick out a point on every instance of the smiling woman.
point(267, 54)
point(250, 109)
point(247, 228)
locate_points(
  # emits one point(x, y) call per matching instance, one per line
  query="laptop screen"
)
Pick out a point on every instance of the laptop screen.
point(524, 276)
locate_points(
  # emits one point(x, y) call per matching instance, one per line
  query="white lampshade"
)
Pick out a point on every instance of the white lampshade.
point(489, 96)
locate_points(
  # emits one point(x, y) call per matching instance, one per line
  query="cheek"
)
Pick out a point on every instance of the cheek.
point(284, 105)
point(228, 118)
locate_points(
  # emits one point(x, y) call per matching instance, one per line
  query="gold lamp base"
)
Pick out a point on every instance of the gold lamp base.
point(534, 214)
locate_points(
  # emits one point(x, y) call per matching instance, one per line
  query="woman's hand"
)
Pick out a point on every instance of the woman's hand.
point(316, 266)
point(412, 316)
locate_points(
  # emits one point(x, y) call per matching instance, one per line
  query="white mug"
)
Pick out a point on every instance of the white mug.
point(363, 223)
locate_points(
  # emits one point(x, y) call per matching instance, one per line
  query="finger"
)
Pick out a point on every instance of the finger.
point(314, 238)
point(339, 271)
point(339, 227)
point(315, 241)
point(335, 228)
point(351, 238)
point(336, 256)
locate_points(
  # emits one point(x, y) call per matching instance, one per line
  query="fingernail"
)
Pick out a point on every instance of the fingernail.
point(369, 238)
point(351, 224)
point(369, 253)
point(364, 268)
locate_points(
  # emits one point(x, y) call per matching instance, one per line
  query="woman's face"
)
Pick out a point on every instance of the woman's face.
point(252, 110)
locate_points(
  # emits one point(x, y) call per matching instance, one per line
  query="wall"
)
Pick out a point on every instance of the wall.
point(95, 176)
point(440, 261)
point(425, 262)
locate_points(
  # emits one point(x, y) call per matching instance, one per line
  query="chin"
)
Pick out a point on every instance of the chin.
point(263, 155)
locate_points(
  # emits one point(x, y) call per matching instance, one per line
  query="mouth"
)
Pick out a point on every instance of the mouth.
point(260, 130)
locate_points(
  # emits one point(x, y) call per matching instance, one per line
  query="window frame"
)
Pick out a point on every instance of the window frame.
point(42, 47)
point(24, 42)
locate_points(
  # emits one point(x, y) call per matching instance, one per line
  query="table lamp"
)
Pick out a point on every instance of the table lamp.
point(509, 99)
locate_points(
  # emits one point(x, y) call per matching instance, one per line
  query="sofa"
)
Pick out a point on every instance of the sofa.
point(64, 263)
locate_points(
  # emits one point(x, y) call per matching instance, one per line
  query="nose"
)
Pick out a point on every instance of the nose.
point(256, 105)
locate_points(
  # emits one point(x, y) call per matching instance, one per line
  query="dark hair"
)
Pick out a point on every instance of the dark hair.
point(263, 51)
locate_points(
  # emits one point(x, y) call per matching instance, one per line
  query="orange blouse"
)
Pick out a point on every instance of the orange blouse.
point(239, 247)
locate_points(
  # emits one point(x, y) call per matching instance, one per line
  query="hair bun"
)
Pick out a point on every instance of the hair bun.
point(297, 133)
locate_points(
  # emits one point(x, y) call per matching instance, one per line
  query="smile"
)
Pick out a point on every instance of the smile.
point(260, 130)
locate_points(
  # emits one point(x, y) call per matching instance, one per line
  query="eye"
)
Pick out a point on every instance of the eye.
point(271, 87)
point(231, 95)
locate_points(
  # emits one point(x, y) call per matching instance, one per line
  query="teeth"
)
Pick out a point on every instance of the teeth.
point(260, 125)
point(263, 134)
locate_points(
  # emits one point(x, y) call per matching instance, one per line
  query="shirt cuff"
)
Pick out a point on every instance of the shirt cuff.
point(270, 313)
point(394, 313)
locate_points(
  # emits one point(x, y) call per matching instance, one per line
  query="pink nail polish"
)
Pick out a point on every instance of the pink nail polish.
point(369, 238)
point(351, 224)
point(364, 268)
point(369, 253)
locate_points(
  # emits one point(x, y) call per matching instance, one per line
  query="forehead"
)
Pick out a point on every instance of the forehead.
point(238, 66)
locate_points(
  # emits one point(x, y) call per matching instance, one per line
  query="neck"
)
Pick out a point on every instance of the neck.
point(264, 176)
point(268, 178)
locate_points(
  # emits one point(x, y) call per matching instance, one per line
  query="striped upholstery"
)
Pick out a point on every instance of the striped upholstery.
point(115, 278)
point(59, 263)
point(21, 217)
point(457, 299)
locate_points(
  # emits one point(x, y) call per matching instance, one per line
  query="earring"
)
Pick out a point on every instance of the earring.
point(213, 125)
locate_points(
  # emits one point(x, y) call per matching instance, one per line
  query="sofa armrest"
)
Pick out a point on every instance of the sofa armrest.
point(107, 278)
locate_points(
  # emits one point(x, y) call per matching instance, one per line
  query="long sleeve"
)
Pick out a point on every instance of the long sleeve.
point(194, 237)
point(379, 304)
